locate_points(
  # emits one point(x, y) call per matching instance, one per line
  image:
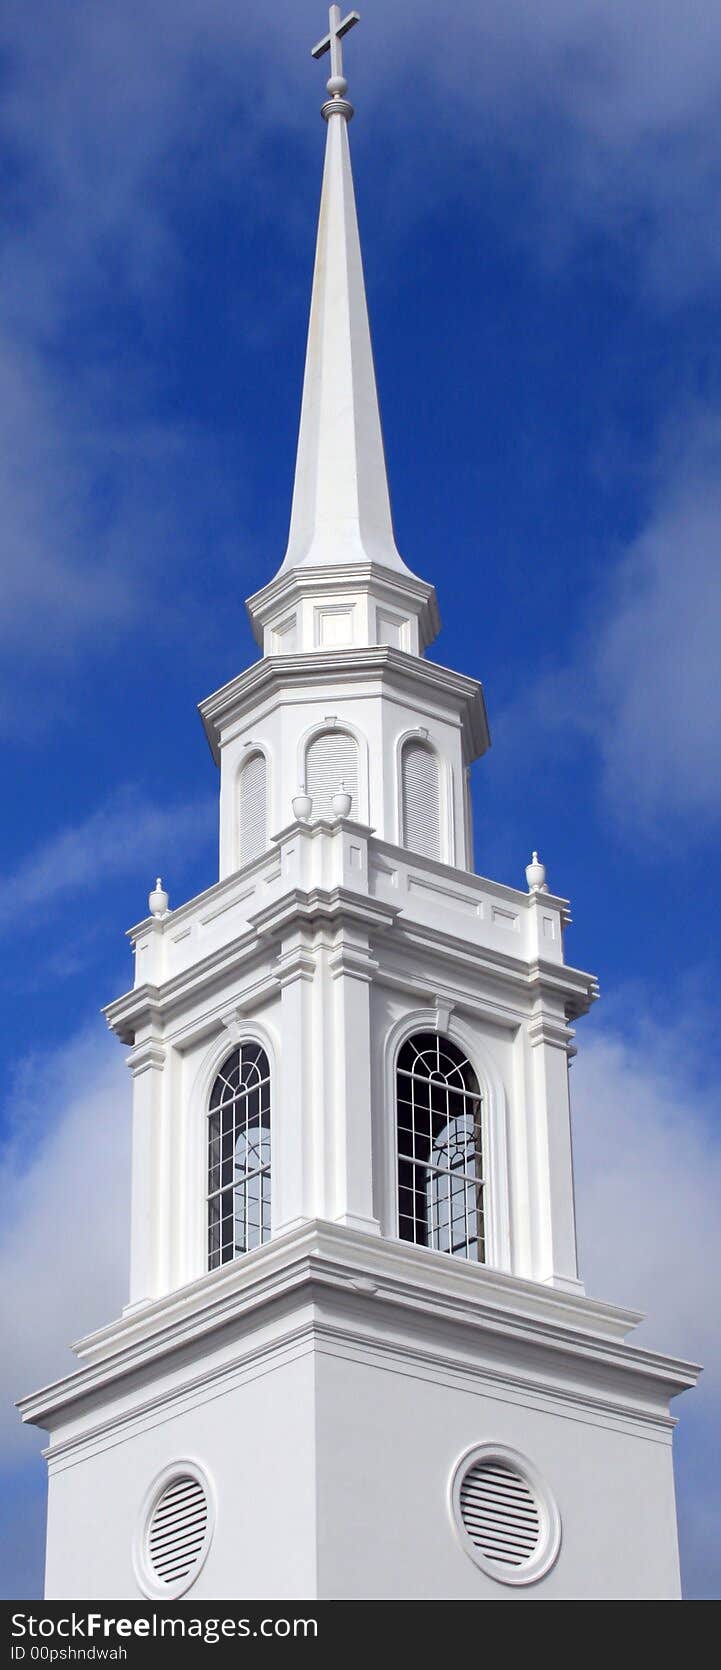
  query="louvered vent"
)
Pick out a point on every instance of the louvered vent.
point(421, 800)
point(253, 838)
point(178, 1529)
point(500, 1513)
point(332, 759)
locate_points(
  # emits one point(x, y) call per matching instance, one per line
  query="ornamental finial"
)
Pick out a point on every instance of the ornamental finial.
point(337, 104)
point(158, 900)
point(536, 875)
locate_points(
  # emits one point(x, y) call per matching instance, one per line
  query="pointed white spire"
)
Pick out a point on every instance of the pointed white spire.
point(341, 508)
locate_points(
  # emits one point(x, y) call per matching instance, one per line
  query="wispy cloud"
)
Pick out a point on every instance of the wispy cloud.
point(102, 108)
point(648, 1162)
point(98, 532)
point(64, 1241)
point(126, 836)
point(656, 697)
point(55, 588)
point(641, 682)
point(616, 106)
point(648, 1175)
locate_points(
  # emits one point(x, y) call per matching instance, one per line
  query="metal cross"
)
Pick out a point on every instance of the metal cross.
point(331, 41)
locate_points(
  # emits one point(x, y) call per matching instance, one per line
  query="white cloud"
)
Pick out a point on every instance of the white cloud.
point(92, 517)
point(648, 1177)
point(642, 678)
point(656, 660)
point(648, 1181)
point(53, 590)
point(614, 107)
point(115, 840)
point(64, 1177)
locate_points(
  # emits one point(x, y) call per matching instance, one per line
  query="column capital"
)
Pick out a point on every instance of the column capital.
point(148, 1054)
point(549, 1030)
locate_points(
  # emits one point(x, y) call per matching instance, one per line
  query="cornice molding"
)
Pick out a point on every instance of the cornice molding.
point(574, 988)
point(382, 856)
point(296, 964)
point(324, 904)
point(552, 1335)
point(153, 1005)
point(570, 989)
point(394, 587)
point(346, 666)
point(341, 1338)
point(354, 961)
point(542, 1029)
point(149, 1055)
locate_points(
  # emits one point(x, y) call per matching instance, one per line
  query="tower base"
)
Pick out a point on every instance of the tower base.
point(324, 1389)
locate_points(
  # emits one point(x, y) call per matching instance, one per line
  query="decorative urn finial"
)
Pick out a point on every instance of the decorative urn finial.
point(342, 801)
point(158, 900)
point(302, 805)
point(536, 875)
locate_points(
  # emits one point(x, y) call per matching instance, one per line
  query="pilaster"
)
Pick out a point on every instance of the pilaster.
point(293, 1115)
point(554, 1229)
point(352, 967)
point(147, 1262)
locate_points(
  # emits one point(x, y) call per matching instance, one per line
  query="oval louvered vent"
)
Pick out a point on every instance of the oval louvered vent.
point(500, 1513)
point(178, 1529)
point(253, 809)
point(420, 800)
point(332, 759)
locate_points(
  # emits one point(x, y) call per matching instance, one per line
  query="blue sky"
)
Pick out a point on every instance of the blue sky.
point(538, 192)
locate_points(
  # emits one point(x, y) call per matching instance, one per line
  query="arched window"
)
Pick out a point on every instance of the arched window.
point(420, 799)
point(331, 759)
point(239, 1155)
point(252, 812)
point(440, 1168)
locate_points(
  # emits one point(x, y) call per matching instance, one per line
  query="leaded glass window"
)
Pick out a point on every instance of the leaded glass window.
point(239, 1155)
point(440, 1166)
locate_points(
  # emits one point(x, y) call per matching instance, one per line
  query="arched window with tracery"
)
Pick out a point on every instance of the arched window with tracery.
point(440, 1162)
point(253, 816)
point(239, 1155)
point(420, 799)
point(331, 759)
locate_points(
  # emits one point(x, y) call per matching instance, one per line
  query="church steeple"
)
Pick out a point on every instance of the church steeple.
point(353, 1280)
point(341, 528)
point(341, 506)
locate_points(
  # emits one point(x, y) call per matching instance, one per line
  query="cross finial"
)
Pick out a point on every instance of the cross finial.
point(336, 84)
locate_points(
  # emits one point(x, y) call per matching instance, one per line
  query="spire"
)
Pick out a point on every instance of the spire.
point(341, 508)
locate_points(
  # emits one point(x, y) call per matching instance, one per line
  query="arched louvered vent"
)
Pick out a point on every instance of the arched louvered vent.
point(420, 799)
point(331, 759)
point(178, 1529)
point(500, 1513)
point(253, 819)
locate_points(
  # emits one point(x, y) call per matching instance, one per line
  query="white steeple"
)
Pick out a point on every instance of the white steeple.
point(357, 1360)
point(341, 531)
point(341, 506)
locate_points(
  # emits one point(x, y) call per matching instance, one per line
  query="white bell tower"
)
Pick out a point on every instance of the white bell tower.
point(357, 1358)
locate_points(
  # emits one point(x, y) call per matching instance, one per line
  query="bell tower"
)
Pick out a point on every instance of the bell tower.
point(357, 1359)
